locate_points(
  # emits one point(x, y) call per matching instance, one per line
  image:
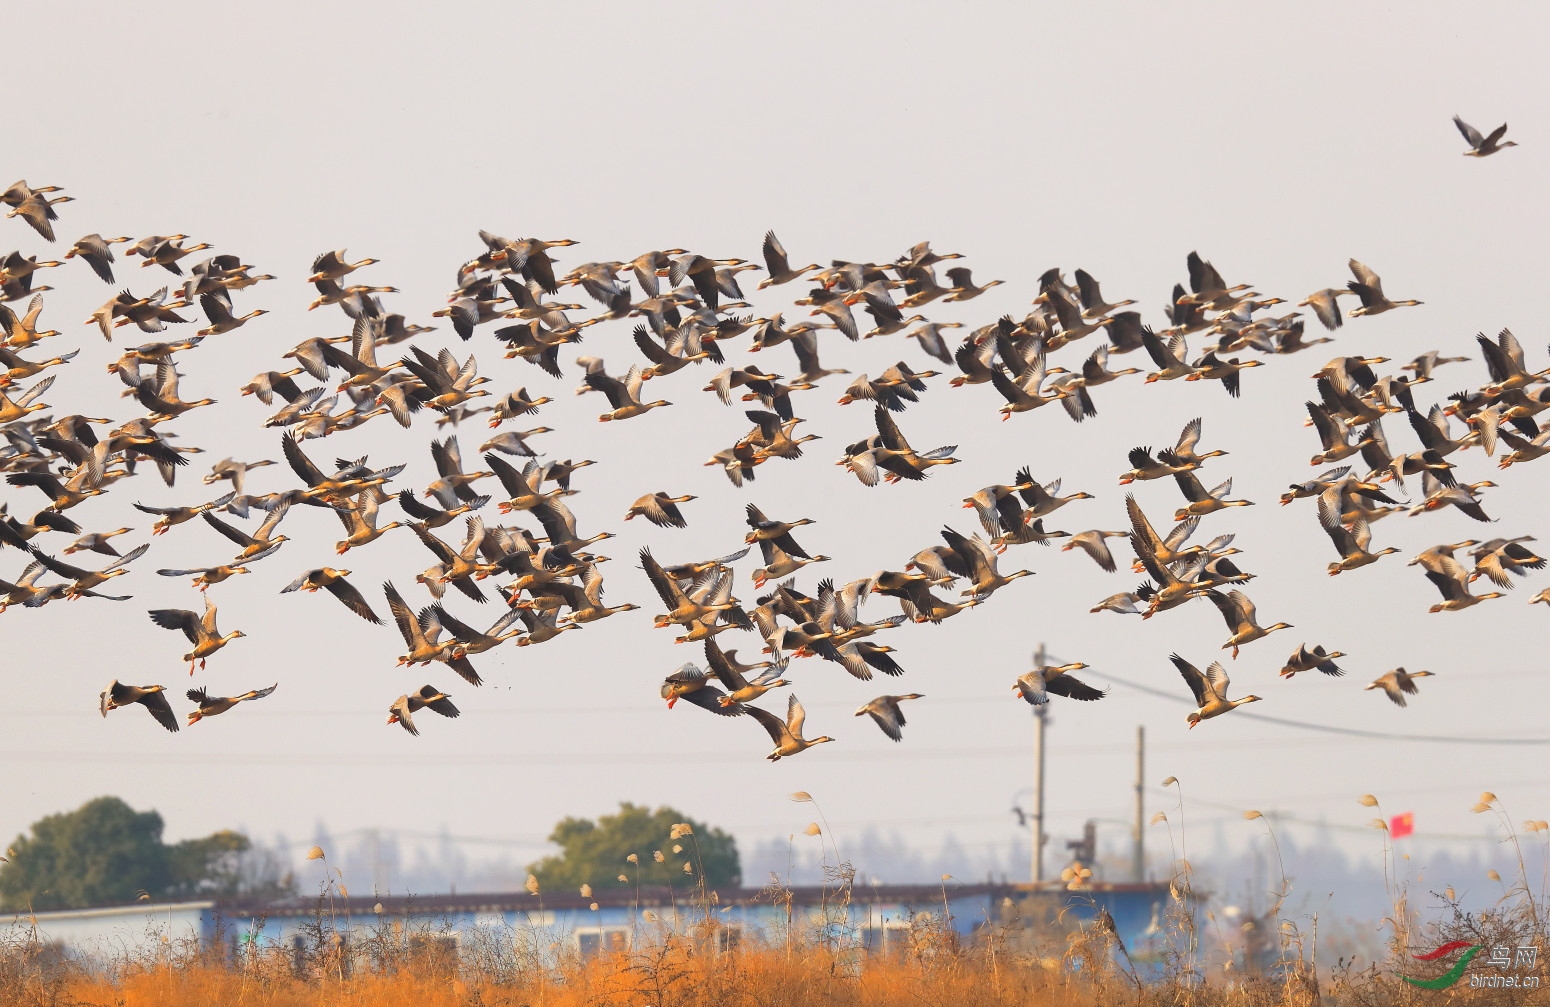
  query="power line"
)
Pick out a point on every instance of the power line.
point(1354, 732)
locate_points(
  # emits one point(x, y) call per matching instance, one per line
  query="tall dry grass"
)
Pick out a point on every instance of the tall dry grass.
point(816, 956)
point(820, 960)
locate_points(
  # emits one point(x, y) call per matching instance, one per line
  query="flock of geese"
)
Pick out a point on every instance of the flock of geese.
point(550, 578)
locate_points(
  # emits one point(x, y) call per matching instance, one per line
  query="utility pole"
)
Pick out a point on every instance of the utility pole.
point(1040, 712)
point(1138, 865)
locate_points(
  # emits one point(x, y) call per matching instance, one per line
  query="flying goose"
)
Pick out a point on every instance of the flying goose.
point(963, 288)
point(1369, 287)
point(979, 559)
point(83, 581)
point(778, 563)
point(660, 509)
point(1326, 306)
point(1452, 581)
point(1201, 500)
point(1144, 467)
point(682, 609)
point(333, 265)
point(1238, 611)
point(168, 517)
point(778, 264)
point(1439, 558)
point(1093, 544)
point(1093, 304)
point(210, 705)
point(885, 712)
point(787, 734)
point(228, 469)
point(38, 210)
point(97, 252)
point(740, 689)
point(1208, 288)
point(360, 522)
point(1121, 604)
point(1482, 146)
point(891, 452)
point(1037, 685)
point(691, 684)
point(152, 697)
point(1304, 659)
point(200, 630)
point(333, 581)
point(1398, 684)
point(1170, 357)
point(623, 395)
point(204, 576)
point(95, 542)
point(472, 641)
point(429, 697)
point(1496, 558)
point(262, 540)
point(1171, 590)
point(1352, 543)
point(1335, 435)
point(1210, 690)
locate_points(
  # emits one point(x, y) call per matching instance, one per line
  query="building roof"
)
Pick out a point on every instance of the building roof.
point(923, 896)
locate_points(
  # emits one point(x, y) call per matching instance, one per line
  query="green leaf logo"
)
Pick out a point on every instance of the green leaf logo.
point(1451, 976)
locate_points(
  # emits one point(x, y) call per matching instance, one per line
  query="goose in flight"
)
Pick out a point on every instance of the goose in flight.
point(885, 712)
point(1482, 146)
point(978, 558)
point(660, 509)
point(1238, 611)
point(1093, 304)
point(682, 608)
point(333, 266)
point(201, 631)
point(168, 517)
point(263, 540)
point(692, 685)
point(787, 734)
point(84, 580)
point(1326, 306)
point(1037, 685)
point(429, 697)
point(778, 264)
point(1352, 543)
point(97, 252)
point(1317, 658)
point(1398, 684)
point(1452, 581)
point(333, 581)
point(1369, 287)
point(210, 705)
point(1210, 689)
point(740, 689)
point(623, 395)
point(1203, 501)
point(152, 697)
point(1498, 557)
point(1093, 544)
point(204, 576)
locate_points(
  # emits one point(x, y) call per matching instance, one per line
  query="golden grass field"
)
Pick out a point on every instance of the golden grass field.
point(392, 964)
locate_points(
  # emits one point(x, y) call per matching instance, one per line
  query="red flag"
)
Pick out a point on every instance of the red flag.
point(1401, 826)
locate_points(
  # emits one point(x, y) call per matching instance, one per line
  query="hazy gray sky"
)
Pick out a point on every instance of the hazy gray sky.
point(1115, 138)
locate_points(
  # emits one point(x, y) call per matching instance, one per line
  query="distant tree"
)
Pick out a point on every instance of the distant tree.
point(224, 863)
point(106, 853)
point(101, 853)
point(596, 853)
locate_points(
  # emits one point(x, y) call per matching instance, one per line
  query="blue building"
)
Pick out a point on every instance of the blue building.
point(876, 918)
